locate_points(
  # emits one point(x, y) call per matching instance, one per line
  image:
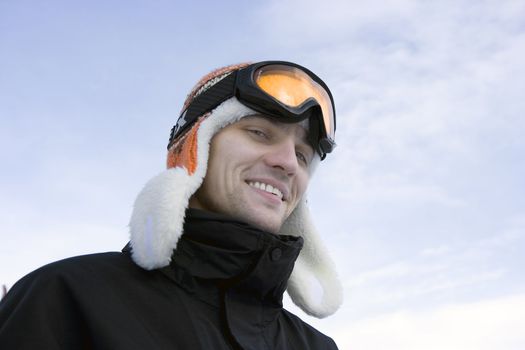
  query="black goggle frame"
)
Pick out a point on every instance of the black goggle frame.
point(242, 85)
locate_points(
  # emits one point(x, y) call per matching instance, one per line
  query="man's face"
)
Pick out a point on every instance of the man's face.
point(258, 170)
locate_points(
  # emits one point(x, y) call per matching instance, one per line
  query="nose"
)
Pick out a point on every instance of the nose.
point(283, 156)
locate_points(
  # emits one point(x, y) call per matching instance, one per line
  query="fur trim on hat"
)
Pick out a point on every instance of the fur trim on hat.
point(158, 217)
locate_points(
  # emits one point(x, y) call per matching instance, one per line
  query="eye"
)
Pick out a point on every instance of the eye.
point(302, 158)
point(258, 133)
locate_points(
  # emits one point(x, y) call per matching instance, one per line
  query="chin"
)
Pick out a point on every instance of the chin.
point(261, 217)
point(263, 223)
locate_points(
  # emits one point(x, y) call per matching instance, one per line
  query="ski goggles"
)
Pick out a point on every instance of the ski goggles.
point(282, 90)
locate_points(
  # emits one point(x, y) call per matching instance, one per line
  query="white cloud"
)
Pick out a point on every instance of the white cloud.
point(435, 251)
point(464, 270)
point(412, 282)
point(429, 96)
point(484, 325)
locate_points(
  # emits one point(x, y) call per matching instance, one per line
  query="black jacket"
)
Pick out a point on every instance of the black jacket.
point(223, 290)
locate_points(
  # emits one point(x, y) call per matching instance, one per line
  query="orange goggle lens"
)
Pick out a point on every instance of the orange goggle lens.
point(292, 87)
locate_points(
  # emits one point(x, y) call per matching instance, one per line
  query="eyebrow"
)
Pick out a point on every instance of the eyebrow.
point(305, 134)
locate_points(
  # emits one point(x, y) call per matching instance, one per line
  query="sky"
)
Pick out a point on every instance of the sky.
point(421, 204)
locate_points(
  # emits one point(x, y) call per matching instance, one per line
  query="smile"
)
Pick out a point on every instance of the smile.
point(268, 188)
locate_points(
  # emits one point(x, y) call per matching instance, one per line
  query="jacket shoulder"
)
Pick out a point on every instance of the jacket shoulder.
point(46, 304)
point(84, 265)
point(78, 273)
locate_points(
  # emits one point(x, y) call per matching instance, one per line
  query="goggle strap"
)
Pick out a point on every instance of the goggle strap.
point(204, 102)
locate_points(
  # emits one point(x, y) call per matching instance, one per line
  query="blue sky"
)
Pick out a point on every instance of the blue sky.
point(422, 202)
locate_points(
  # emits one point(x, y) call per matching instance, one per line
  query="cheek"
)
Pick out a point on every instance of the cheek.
point(224, 156)
point(224, 146)
point(234, 152)
point(302, 183)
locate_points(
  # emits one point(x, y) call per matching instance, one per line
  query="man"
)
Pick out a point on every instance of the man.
point(216, 239)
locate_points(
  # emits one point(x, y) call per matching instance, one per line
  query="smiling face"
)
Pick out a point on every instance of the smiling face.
point(258, 170)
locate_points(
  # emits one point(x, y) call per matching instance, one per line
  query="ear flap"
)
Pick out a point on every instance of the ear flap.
point(158, 213)
point(157, 219)
point(312, 266)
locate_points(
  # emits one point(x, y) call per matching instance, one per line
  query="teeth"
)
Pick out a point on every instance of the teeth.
point(267, 188)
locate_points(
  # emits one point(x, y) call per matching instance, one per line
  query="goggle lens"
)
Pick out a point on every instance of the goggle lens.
point(292, 87)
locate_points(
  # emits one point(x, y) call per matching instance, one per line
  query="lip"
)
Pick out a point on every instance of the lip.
point(277, 184)
point(269, 199)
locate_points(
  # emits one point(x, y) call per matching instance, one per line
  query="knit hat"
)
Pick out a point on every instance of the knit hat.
point(158, 214)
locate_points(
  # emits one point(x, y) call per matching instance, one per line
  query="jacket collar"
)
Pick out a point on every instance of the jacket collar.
point(237, 268)
point(218, 249)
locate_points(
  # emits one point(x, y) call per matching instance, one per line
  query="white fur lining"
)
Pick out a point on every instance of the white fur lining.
point(158, 213)
point(158, 217)
point(313, 262)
